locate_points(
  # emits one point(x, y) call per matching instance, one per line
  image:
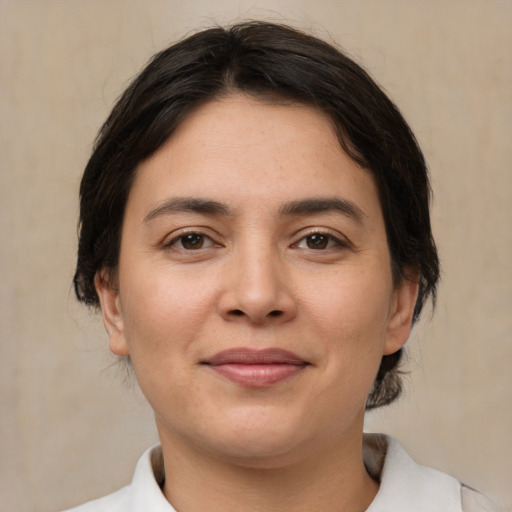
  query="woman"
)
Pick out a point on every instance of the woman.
point(255, 228)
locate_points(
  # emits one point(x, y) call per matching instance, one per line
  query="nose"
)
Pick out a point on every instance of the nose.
point(257, 290)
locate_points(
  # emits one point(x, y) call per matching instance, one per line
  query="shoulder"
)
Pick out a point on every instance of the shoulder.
point(473, 501)
point(142, 495)
point(115, 502)
point(406, 485)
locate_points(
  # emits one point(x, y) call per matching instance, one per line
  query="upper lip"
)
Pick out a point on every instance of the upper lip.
point(253, 356)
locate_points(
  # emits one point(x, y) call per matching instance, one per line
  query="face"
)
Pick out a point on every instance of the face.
point(254, 290)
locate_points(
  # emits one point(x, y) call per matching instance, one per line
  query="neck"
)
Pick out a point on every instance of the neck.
point(331, 480)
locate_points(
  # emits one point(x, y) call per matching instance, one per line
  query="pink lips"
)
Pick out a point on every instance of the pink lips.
point(256, 368)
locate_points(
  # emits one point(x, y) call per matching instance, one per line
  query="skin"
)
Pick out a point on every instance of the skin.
point(260, 274)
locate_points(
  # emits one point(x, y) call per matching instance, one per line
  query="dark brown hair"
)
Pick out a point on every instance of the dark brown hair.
point(268, 61)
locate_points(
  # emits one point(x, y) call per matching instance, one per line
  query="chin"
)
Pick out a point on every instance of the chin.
point(260, 453)
point(258, 442)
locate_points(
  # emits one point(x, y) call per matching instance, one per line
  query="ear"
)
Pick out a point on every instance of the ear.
point(111, 312)
point(401, 313)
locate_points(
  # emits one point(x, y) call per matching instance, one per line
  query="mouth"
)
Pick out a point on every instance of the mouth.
point(256, 368)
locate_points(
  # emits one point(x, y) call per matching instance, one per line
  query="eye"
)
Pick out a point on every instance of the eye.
point(319, 242)
point(191, 242)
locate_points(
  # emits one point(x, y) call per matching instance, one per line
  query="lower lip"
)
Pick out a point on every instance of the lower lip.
point(257, 375)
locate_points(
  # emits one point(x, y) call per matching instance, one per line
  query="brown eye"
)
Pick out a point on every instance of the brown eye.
point(192, 241)
point(317, 241)
point(320, 242)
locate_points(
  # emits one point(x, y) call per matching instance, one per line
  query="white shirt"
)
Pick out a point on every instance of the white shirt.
point(404, 485)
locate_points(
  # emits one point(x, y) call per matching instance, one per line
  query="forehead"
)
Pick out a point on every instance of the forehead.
point(239, 149)
point(243, 127)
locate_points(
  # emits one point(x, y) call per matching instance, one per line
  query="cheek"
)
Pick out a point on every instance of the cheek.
point(162, 321)
point(163, 312)
point(350, 321)
point(353, 304)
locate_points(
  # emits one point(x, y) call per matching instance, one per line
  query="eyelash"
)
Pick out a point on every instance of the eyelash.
point(181, 237)
point(332, 242)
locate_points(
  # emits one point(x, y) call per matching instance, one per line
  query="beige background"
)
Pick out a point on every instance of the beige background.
point(70, 429)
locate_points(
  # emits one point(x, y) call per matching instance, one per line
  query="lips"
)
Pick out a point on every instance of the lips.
point(256, 368)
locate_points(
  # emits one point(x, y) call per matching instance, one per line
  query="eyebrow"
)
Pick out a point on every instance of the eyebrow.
point(292, 208)
point(321, 205)
point(188, 204)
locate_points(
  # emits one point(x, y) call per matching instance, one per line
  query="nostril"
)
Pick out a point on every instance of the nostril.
point(273, 313)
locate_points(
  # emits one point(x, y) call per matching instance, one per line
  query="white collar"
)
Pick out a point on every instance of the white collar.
point(404, 485)
point(145, 491)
